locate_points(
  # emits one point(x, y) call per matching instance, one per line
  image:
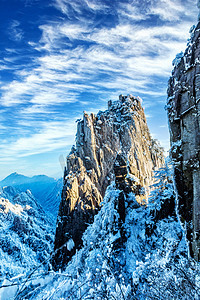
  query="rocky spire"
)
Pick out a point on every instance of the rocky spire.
point(184, 120)
point(90, 168)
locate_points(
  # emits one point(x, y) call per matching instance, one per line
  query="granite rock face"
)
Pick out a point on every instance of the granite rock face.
point(183, 113)
point(90, 168)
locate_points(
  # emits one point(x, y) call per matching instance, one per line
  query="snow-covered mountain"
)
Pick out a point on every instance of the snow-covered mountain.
point(45, 189)
point(122, 128)
point(131, 250)
point(144, 257)
point(26, 238)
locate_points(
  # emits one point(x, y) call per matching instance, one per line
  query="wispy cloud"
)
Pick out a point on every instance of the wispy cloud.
point(169, 10)
point(131, 12)
point(77, 7)
point(126, 49)
point(51, 136)
point(15, 32)
point(80, 56)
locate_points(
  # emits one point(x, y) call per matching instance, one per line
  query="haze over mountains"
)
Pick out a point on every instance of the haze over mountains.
point(45, 189)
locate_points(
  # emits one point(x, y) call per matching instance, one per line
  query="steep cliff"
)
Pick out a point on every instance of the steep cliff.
point(183, 113)
point(90, 168)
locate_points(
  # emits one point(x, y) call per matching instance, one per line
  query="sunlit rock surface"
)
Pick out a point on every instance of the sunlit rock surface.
point(120, 129)
point(183, 112)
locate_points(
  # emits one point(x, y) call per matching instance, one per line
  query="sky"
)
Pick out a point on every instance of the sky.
point(59, 58)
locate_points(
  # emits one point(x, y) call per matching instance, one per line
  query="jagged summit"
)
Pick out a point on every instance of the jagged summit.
point(122, 128)
point(100, 137)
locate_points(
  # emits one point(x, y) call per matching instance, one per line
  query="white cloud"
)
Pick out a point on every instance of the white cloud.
point(105, 61)
point(169, 10)
point(117, 52)
point(73, 31)
point(12, 93)
point(131, 12)
point(77, 6)
point(35, 110)
point(15, 32)
point(51, 136)
point(2, 127)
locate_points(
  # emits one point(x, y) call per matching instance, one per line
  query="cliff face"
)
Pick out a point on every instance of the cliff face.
point(183, 113)
point(90, 168)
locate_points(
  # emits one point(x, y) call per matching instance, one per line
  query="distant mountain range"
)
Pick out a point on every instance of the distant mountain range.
point(45, 189)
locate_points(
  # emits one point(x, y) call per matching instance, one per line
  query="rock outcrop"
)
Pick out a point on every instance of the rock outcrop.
point(90, 168)
point(183, 113)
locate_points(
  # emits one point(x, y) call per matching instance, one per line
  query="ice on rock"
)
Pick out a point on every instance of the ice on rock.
point(177, 59)
point(183, 115)
point(8, 293)
point(134, 260)
point(99, 139)
point(70, 244)
point(26, 237)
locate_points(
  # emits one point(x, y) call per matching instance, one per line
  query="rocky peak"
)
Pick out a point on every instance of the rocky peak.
point(183, 113)
point(122, 128)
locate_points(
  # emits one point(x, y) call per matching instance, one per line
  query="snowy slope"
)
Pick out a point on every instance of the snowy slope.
point(45, 189)
point(144, 258)
point(26, 238)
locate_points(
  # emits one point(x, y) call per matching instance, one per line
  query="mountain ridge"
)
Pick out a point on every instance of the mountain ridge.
point(23, 178)
point(46, 190)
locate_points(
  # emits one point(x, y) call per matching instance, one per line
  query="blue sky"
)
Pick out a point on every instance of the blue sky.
point(61, 57)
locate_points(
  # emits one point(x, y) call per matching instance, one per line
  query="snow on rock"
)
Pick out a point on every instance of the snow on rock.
point(184, 117)
point(177, 60)
point(121, 128)
point(26, 238)
point(70, 245)
point(143, 258)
